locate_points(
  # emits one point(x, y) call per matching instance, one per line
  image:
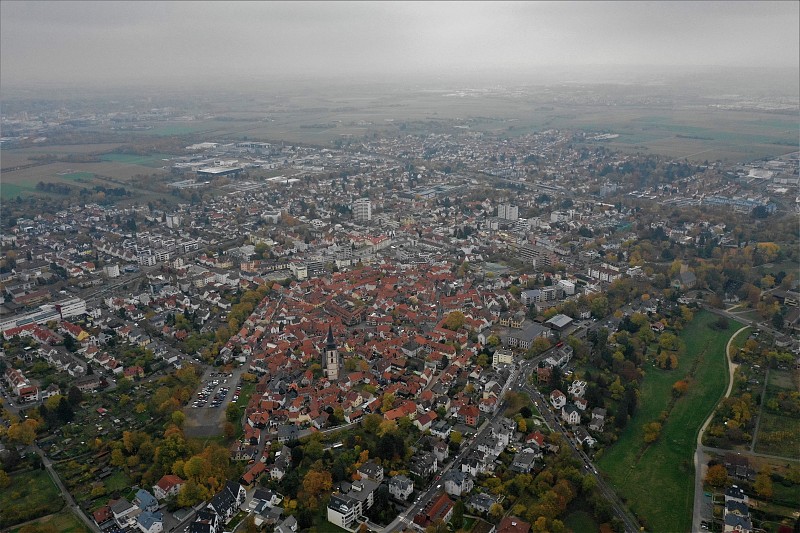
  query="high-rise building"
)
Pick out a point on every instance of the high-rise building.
point(362, 210)
point(507, 212)
point(331, 359)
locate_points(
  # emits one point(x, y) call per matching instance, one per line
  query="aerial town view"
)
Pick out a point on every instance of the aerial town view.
point(399, 267)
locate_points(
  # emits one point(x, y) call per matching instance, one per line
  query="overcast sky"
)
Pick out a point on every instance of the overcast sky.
point(115, 43)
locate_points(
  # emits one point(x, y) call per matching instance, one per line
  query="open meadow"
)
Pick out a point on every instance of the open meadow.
point(32, 494)
point(665, 467)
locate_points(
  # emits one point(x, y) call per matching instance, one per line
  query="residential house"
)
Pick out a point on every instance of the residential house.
point(269, 497)
point(125, 513)
point(288, 525)
point(168, 485)
point(513, 524)
point(469, 414)
point(438, 509)
point(343, 511)
point(558, 399)
point(582, 437)
point(228, 500)
point(481, 503)
point(423, 464)
point(523, 462)
point(401, 487)
point(457, 483)
point(145, 500)
point(206, 521)
point(570, 415)
point(150, 522)
point(371, 470)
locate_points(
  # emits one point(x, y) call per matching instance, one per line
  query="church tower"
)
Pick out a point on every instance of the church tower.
point(331, 362)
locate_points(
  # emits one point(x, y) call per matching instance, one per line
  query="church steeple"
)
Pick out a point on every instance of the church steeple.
point(331, 364)
point(330, 343)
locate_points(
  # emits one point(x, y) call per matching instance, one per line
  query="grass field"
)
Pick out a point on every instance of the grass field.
point(63, 522)
point(781, 379)
point(151, 160)
point(118, 481)
point(12, 190)
point(23, 182)
point(30, 495)
point(78, 176)
point(665, 467)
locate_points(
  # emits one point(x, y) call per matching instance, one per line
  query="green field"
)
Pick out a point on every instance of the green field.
point(30, 495)
point(12, 190)
point(666, 466)
point(151, 160)
point(118, 481)
point(78, 176)
point(63, 522)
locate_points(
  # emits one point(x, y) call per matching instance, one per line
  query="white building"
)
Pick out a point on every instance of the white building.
point(173, 221)
point(343, 511)
point(568, 286)
point(401, 487)
point(507, 212)
point(111, 271)
point(502, 357)
point(362, 210)
point(71, 307)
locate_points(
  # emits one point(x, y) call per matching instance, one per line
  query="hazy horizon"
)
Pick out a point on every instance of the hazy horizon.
point(113, 45)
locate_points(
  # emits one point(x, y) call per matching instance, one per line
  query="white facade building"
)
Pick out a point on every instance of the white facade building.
point(362, 210)
point(507, 212)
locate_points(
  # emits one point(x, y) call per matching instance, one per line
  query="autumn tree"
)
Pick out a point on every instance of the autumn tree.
point(317, 482)
point(454, 321)
point(680, 387)
point(763, 484)
point(717, 476)
point(23, 432)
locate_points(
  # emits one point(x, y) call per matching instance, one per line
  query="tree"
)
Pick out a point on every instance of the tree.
point(496, 512)
point(454, 321)
point(23, 432)
point(387, 403)
point(717, 476)
point(5, 480)
point(763, 484)
point(74, 396)
point(538, 346)
point(64, 411)
point(317, 482)
point(680, 387)
point(457, 520)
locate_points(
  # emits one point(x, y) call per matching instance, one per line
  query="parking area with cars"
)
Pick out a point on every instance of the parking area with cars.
point(215, 389)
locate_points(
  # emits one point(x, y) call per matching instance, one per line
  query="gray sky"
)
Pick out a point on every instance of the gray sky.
point(114, 43)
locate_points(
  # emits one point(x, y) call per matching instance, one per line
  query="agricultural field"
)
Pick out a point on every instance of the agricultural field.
point(31, 495)
point(665, 466)
point(107, 173)
point(150, 160)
